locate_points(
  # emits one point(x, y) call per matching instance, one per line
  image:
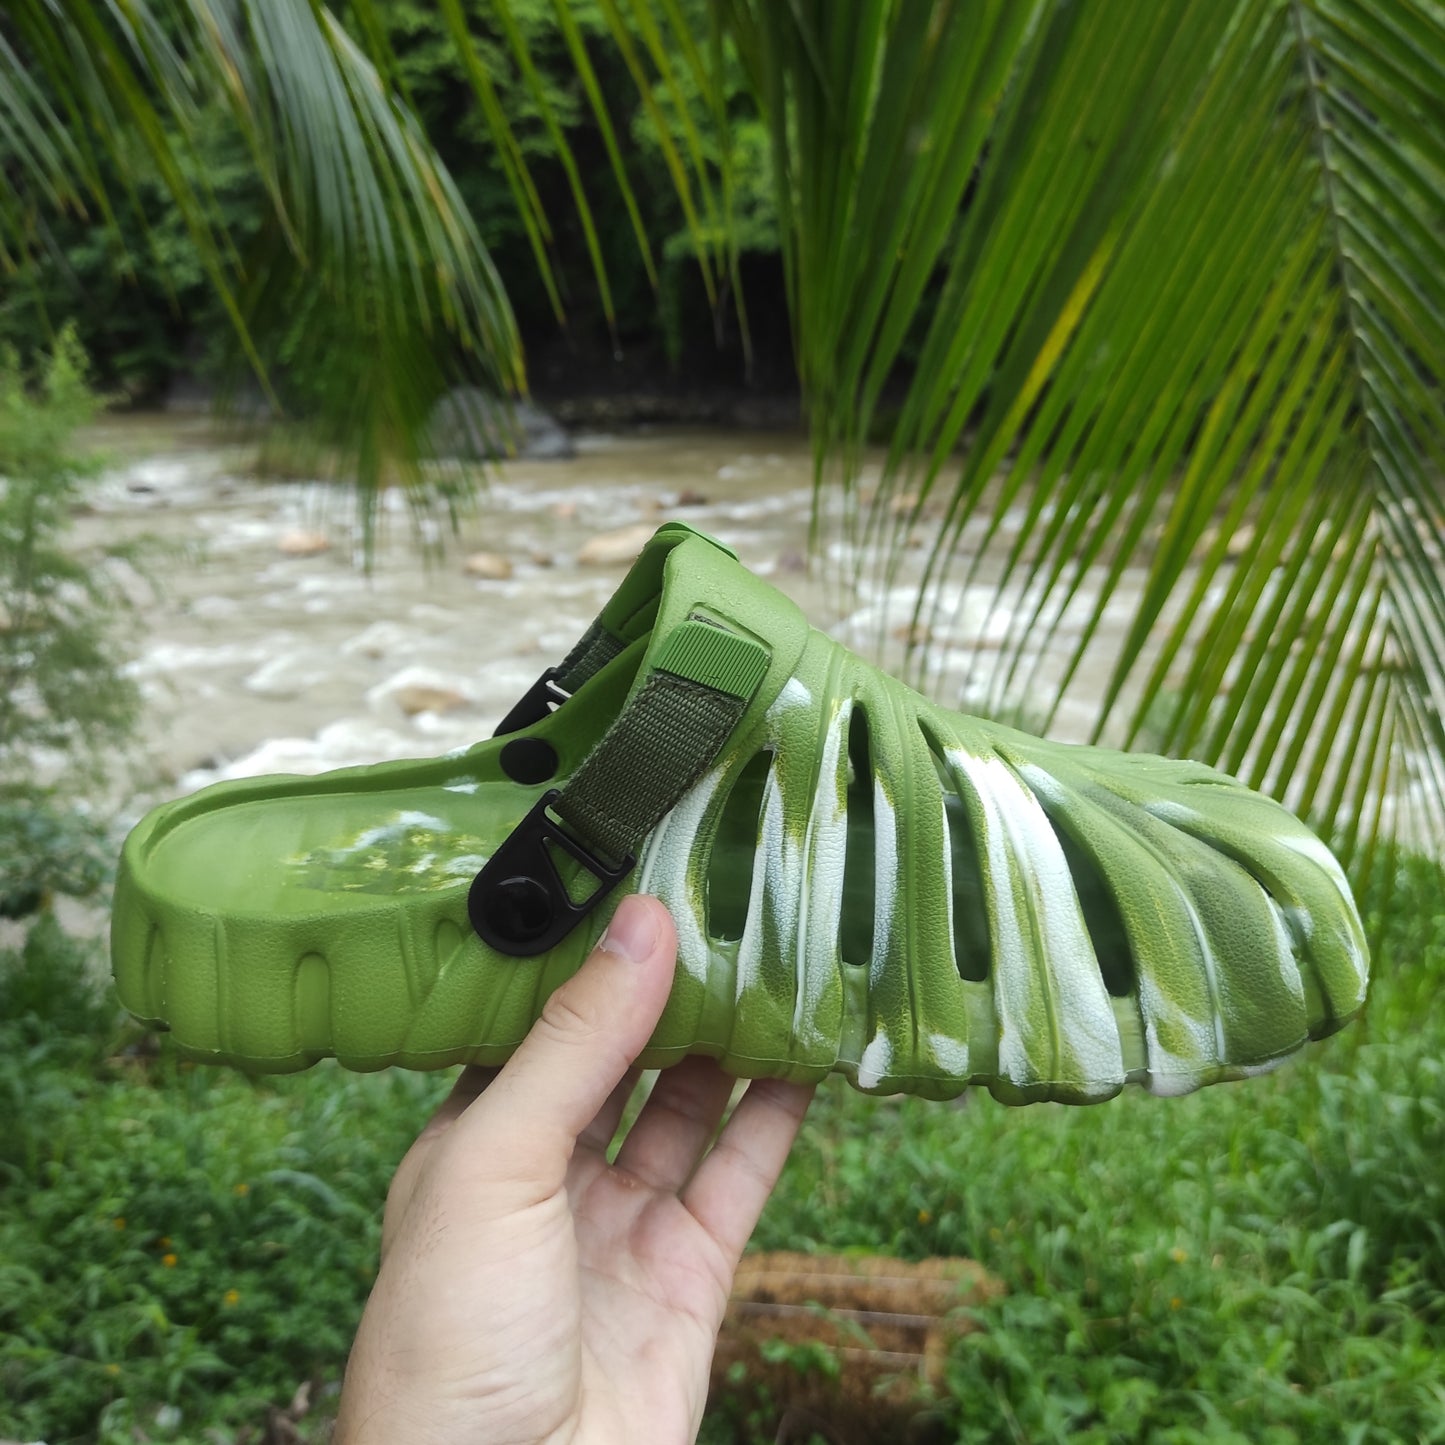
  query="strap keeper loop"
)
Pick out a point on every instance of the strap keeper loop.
point(518, 903)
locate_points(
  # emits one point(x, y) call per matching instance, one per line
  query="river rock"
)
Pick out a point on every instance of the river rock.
point(914, 634)
point(421, 690)
point(490, 566)
point(418, 697)
point(612, 549)
point(470, 425)
point(1240, 543)
point(303, 544)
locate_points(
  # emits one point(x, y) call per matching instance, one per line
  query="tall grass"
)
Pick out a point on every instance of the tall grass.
point(1265, 1262)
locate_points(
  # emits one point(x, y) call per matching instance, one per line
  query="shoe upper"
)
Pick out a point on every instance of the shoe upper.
point(933, 896)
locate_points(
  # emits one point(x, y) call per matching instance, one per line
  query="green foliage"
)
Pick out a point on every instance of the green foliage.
point(171, 1235)
point(66, 706)
point(51, 1012)
point(429, 67)
point(361, 264)
point(136, 292)
point(1261, 1262)
point(47, 849)
point(731, 150)
point(60, 683)
point(145, 304)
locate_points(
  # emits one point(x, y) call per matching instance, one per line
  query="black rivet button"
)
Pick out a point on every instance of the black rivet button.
point(529, 760)
point(518, 909)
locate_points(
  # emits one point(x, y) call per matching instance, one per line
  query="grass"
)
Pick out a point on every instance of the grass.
point(1265, 1262)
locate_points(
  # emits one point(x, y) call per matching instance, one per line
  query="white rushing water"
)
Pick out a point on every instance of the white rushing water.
point(252, 660)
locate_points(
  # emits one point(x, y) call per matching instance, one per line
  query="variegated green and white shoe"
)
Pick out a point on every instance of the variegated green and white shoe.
point(862, 882)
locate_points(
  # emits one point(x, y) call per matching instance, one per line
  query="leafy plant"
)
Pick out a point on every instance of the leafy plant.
point(61, 688)
point(361, 225)
point(1262, 1261)
point(66, 705)
point(136, 292)
point(47, 849)
point(178, 1247)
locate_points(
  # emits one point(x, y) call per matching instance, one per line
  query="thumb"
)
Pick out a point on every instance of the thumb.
point(588, 1034)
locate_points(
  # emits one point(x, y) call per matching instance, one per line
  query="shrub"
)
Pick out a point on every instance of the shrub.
point(65, 704)
point(1265, 1262)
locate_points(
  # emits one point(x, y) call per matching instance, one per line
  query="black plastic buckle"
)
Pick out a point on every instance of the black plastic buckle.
point(518, 903)
point(537, 702)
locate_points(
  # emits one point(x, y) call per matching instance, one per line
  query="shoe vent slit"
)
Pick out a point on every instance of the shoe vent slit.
point(730, 867)
point(972, 951)
point(1101, 916)
point(855, 934)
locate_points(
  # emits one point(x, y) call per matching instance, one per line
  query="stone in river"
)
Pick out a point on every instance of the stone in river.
point(421, 689)
point(302, 544)
point(613, 549)
point(914, 634)
point(418, 697)
point(1240, 543)
point(491, 566)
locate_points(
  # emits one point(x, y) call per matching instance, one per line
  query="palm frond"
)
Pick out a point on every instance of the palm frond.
point(365, 227)
point(1168, 282)
point(658, 48)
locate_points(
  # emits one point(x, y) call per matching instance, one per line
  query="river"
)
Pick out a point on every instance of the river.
point(252, 660)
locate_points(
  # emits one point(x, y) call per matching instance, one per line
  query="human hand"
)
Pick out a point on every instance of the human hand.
point(529, 1290)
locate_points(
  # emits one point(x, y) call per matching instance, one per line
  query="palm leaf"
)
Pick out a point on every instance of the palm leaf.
point(1169, 283)
point(365, 226)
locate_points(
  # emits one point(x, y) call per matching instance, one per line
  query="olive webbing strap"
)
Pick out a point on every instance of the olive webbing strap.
point(665, 739)
point(649, 759)
point(592, 653)
point(701, 683)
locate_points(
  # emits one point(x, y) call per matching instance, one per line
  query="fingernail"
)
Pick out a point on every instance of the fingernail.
point(632, 932)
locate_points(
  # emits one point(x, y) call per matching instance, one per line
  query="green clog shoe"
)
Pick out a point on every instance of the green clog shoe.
point(862, 882)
